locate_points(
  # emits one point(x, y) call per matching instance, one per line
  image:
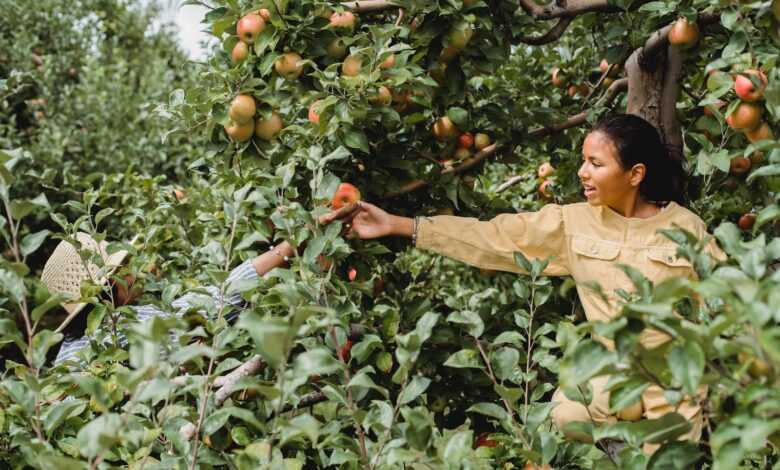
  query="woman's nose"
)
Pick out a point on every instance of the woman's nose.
point(581, 172)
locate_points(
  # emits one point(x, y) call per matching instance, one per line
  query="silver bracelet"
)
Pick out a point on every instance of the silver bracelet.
point(285, 258)
point(415, 224)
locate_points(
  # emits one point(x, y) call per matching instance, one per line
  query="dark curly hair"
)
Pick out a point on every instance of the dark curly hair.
point(637, 141)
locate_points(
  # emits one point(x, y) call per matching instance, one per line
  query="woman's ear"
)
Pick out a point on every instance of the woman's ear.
point(638, 172)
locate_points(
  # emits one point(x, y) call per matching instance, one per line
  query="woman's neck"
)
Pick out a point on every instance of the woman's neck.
point(636, 207)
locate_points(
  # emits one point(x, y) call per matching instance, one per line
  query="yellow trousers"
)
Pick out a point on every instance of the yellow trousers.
point(654, 405)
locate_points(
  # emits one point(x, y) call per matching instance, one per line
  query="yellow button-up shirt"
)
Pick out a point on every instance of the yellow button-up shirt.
point(586, 242)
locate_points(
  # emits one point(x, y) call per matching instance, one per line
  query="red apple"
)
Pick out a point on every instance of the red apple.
point(744, 87)
point(267, 129)
point(345, 194)
point(249, 27)
point(484, 441)
point(746, 221)
point(351, 66)
point(314, 115)
point(683, 33)
point(481, 141)
point(545, 170)
point(240, 132)
point(545, 188)
point(557, 78)
point(352, 274)
point(762, 132)
point(344, 353)
point(444, 129)
point(388, 62)
point(345, 20)
point(461, 153)
point(746, 116)
point(240, 52)
point(383, 97)
point(739, 165)
point(337, 49)
point(288, 65)
point(242, 109)
point(466, 140)
point(265, 14)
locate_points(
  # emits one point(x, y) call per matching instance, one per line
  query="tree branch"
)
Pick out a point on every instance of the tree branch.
point(572, 8)
point(660, 38)
point(367, 6)
point(580, 118)
point(670, 125)
point(553, 34)
point(465, 165)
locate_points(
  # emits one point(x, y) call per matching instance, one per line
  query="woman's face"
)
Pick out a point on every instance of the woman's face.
point(603, 178)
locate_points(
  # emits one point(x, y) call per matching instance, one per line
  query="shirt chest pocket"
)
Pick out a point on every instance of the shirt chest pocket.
point(663, 263)
point(594, 260)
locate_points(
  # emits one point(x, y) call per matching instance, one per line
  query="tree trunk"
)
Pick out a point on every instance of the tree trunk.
point(653, 88)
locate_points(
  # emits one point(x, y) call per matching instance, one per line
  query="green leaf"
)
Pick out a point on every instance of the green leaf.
point(271, 336)
point(504, 362)
point(471, 322)
point(766, 170)
point(320, 361)
point(362, 349)
point(413, 389)
point(459, 116)
point(489, 409)
point(588, 360)
point(32, 241)
point(356, 139)
point(686, 362)
point(675, 456)
point(61, 411)
point(465, 358)
point(100, 435)
point(42, 342)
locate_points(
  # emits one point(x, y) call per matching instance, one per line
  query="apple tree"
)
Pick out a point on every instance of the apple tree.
point(376, 355)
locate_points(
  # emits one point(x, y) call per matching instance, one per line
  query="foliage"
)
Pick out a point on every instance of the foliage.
point(446, 358)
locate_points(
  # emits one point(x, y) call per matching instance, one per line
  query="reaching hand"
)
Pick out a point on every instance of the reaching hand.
point(373, 222)
point(366, 221)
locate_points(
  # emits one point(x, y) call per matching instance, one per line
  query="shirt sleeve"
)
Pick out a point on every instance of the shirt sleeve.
point(492, 244)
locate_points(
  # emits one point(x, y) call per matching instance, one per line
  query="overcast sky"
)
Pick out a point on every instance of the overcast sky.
point(188, 24)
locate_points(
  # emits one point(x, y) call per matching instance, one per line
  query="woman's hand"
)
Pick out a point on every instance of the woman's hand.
point(372, 222)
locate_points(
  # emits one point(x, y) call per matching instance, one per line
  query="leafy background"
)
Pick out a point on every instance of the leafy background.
point(102, 117)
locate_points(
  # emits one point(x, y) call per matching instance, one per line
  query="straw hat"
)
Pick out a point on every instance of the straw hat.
point(65, 271)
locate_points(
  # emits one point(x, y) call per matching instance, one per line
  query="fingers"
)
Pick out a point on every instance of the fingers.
point(345, 213)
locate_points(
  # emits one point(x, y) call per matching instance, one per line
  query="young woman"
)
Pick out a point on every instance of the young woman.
point(633, 188)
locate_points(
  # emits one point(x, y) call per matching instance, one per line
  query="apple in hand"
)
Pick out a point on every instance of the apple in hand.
point(345, 194)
